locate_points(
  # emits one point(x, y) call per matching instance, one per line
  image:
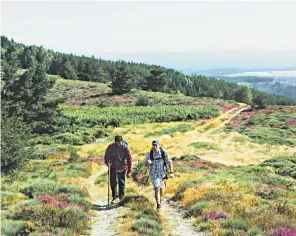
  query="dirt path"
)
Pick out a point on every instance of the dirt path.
point(224, 119)
point(179, 225)
point(104, 219)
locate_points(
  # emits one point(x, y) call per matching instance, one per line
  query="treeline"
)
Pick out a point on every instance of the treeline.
point(124, 76)
point(25, 112)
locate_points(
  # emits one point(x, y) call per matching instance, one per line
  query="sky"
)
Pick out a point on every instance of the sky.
point(160, 32)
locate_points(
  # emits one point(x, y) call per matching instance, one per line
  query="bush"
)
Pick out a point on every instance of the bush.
point(80, 201)
point(239, 224)
point(50, 187)
point(171, 130)
point(13, 227)
point(76, 170)
point(143, 101)
point(43, 151)
point(284, 165)
point(284, 232)
point(215, 215)
point(50, 216)
point(146, 223)
point(189, 157)
point(253, 121)
point(69, 138)
point(182, 188)
point(255, 232)
point(197, 208)
point(42, 187)
point(9, 198)
point(74, 157)
point(204, 226)
point(204, 145)
point(73, 189)
point(30, 202)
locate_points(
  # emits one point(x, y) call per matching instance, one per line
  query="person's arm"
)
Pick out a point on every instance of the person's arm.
point(129, 162)
point(169, 163)
point(107, 156)
point(147, 160)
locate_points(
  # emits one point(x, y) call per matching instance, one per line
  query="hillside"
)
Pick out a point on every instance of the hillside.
point(283, 86)
point(234, 165)
point(212, 165)
point(135, 75)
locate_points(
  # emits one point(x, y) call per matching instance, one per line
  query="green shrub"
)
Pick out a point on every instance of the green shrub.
point(74, 157)
point(255, 232)
point(69, 138)
point(143, 101)
point(76, 170)
point(73, 189)
point(42, 187)
point(80, 201)
point(189, 157)
point(53, 231)
point(265, 192)
point(171, 130)
point(8, 198)
point(284, 165)
point(253, 121)
point(197, 208)
point(50, 187)
point(204, 145)
point(204, 226)
point(51, 216)
point(239, 139)
point(30, 202)
point(12, 227)
point(42, 150)
point(146, 226)
point(239, 224)
point(182, 188)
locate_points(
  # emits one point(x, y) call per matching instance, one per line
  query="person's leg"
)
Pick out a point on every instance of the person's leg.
point(157, 196)
point(113, 182)
point(161, 191)
point(121, 183)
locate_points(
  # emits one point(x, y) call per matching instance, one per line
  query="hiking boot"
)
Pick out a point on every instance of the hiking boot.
point(114, 200)
point(121, 197)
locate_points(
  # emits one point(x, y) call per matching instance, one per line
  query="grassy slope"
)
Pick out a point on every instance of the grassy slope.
point(75, 92)
point(259, 201)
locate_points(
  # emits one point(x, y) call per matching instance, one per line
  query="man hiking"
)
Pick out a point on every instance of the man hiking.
point(158, 160)
point(119, 157)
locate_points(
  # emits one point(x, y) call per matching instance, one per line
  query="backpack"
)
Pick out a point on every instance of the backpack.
point(119, 162)
point(162, 156)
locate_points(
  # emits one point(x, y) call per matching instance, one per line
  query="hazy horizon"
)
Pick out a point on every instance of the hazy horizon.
point(194, 35)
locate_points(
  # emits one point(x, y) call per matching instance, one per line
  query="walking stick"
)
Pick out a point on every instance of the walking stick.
point(109, 185)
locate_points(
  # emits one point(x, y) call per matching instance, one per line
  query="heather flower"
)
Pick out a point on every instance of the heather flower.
point(215, 215)
point(281, 231)
point(51, 201)
point(291, 121)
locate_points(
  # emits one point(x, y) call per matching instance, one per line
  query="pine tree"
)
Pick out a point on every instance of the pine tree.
point(157, 80)
point(260, 100)
point(243, 94)
point(121, 79)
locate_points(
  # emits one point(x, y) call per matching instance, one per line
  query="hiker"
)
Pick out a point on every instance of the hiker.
point(158, 160)
point(119, 157)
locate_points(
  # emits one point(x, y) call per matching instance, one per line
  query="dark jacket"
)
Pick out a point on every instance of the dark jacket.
point(113, 151)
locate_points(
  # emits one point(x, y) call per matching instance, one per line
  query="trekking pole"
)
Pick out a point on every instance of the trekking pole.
point(108, 185)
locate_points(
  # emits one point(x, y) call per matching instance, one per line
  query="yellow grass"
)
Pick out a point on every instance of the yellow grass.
point(230, 153)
